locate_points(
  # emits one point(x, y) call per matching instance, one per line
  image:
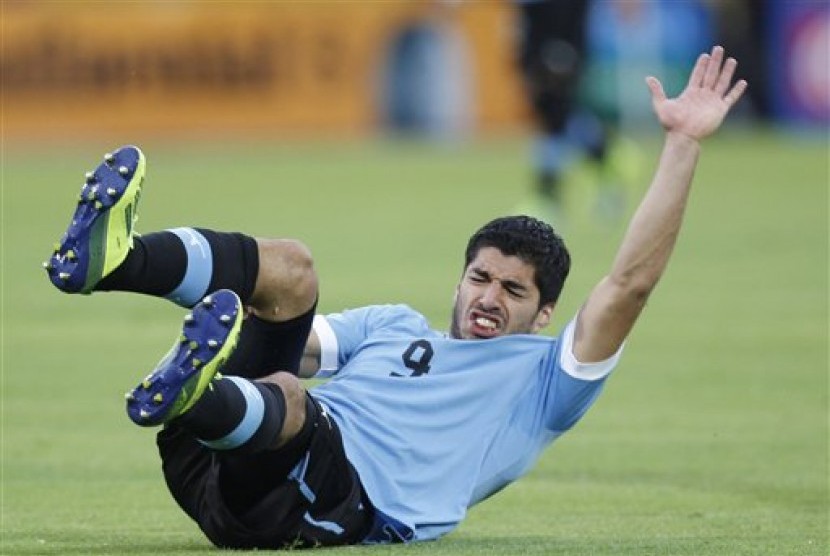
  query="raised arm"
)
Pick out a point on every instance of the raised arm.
point(614, 305)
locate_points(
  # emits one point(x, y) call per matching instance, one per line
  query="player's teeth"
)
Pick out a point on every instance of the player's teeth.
point(487, 323)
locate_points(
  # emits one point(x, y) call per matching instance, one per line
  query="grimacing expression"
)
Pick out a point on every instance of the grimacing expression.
point(497, 295)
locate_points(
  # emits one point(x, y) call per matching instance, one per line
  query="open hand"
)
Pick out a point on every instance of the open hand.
point(703, 104)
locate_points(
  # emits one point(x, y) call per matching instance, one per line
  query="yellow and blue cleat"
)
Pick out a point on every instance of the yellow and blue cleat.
point(208, 338)
point(101, 231)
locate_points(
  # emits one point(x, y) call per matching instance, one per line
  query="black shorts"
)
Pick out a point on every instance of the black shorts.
point(308, 498)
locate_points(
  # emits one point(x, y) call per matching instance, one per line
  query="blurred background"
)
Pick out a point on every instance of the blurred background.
point(566, 76)
point(340, 69)
point(382, 133)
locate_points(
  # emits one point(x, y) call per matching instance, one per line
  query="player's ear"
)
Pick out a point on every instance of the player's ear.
point(543, 317)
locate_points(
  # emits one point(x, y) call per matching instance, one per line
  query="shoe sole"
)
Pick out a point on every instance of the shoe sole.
point(208, 338)
point(101, 231)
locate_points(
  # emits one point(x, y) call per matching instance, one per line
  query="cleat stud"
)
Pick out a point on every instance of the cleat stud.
point(64, 276)
point(158, 398)
point(71, 255)
point(109, 158)
point(183, 339)
point(208, 302)
point(56, 247)
point(225, 319)
point(188, 318)
point(144, 414)
point(196, 363)
point(146, 384)
point(213, 344)
point(48, 266)
point(129, 397)
point(90, 177)
point(194, 345)
point(99, 205)
point(90, 196)
point(112, 192)
point(123, 170)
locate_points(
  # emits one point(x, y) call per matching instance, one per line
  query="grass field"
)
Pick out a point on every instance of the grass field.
point(712, 437)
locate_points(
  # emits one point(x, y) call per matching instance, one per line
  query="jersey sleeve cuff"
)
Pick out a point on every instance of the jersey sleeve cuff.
point(328, 347)
point(583, 371)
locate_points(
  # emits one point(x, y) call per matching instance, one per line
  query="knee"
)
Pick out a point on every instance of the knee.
point(286, 285)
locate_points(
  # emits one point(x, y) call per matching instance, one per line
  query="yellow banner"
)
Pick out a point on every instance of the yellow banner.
point(274, 68)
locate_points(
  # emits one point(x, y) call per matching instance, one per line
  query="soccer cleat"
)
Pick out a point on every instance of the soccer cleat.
point(101, 231)
point(208, 338)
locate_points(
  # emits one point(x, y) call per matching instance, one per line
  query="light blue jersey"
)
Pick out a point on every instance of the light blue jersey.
point(434, 425)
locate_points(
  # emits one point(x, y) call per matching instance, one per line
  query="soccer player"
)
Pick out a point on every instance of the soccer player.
point(414, 425)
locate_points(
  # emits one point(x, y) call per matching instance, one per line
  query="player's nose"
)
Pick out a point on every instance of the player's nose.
point(490, 296)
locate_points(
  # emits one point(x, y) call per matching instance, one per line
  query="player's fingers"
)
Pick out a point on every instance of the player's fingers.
point(735, 94)
point(726, 75)
point(696, 77)
point(713, 69)
point(656, 88)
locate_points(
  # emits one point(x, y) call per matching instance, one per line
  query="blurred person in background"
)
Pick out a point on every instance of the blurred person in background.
point(577, 58)
point(415, 425)
point(552, 56)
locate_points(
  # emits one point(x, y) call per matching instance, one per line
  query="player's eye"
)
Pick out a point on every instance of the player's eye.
point(478, 277)
point(515, 291)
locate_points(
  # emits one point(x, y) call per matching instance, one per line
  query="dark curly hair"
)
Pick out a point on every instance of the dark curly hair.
point(534, 242)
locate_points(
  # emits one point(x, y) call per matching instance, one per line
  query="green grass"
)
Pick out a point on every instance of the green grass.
point(710, 439)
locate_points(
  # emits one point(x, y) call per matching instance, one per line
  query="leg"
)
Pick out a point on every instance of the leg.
point(100, 251)
point(275, 278)
point(247, 459)
point(304, 494)
point(551, 58)
point(225, 413)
